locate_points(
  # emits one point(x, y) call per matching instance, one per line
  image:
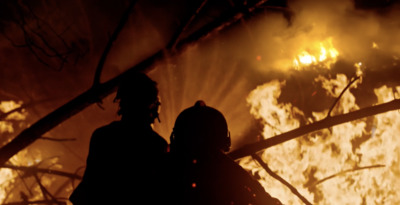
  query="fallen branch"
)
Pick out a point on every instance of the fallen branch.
point(36, 202)
point(57, 139)
point(341, 94)
point(344, 172)
point(279, 178)
point(325, 123)
point(41, 170)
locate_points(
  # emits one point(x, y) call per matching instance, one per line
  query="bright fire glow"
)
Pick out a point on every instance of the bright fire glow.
point(352, 163)
point(7, 106)
point(322, 52)
point(8, 176)
point(358, 67)
point(374, 45)
point(14, 182)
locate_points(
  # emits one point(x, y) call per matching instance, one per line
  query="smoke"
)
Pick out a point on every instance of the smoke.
point(358, 33)
point(263, 48)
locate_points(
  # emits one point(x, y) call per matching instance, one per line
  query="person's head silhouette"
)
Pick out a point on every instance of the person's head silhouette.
point(138, 98)
point(200, 128)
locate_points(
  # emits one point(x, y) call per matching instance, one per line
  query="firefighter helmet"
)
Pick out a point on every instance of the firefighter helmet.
point(200, 127)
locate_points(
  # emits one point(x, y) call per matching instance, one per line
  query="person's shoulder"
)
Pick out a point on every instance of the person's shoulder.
point(158, 136)
point(108, 127)
point(104, 131)
point(160, 140)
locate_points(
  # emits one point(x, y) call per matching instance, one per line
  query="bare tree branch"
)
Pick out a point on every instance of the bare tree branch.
point(44, 190)
point(325, 123)
point(57, 139)
point(175, 39)
point(18, 109)
point(35, 33)
point(29, 135)
point(41, 170)
point(279, 178)
point(344, 172)
point(50, 202)
point(110, 42)
point(226, 21)
point(341, 94)
point(21, 108)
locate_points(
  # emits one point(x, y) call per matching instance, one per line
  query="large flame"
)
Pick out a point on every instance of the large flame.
point(321, 52)
point(352, 163)
point(6, 106)
point(8, 176)
point(10, 179)
point(25, 182)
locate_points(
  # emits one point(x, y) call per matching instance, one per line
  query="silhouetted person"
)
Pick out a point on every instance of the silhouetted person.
point(124, 155)
point(201, 173)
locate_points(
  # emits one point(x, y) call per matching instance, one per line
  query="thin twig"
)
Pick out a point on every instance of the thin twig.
point(3, 116)
point(44, 190)
point(41, 170)
point(223, 22)
point(280, 179)
point(111, 41)
point(340, 96)
point(344, 172)
point(175, 39)
point(34, 37)
point(50, 27)
point(12, 42)
point(35, 202)
point(57, 140)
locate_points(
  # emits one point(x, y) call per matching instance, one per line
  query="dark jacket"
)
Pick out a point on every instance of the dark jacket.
point(121, 165)
point(214, 179)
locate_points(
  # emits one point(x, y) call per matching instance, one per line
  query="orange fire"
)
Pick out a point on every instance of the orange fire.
point(322, 52)
point(7, 106)
point(353, 163)
point(9, 178)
